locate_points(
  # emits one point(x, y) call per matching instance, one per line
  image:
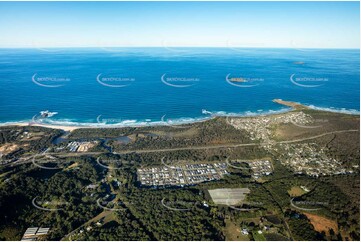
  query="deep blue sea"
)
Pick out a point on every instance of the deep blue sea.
point(139, 86)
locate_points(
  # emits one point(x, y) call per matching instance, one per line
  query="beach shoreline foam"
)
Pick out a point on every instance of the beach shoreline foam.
point(290, 106)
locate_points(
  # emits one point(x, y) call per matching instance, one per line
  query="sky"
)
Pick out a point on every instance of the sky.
point(171, 24)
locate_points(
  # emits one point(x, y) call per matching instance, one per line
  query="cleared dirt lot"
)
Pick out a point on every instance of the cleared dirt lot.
point(322, 224)
point(8, 148)
point(228, 196)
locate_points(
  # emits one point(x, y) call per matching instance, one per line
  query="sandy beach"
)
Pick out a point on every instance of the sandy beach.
point(62, 127)
point(70, 128)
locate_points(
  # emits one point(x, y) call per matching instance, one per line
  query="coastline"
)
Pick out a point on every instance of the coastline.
point(290, 106)
point(62, 127)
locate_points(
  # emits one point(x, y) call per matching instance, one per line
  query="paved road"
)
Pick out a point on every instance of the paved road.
point(234, 145)
point(70, 154)
point(318, 136)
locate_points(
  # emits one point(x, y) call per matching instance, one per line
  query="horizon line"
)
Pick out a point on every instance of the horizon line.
point(169, 47)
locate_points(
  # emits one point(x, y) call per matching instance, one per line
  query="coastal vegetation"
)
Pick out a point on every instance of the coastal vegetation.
point(95, 194)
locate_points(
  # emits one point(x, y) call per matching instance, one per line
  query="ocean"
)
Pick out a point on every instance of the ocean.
point(145, 86)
